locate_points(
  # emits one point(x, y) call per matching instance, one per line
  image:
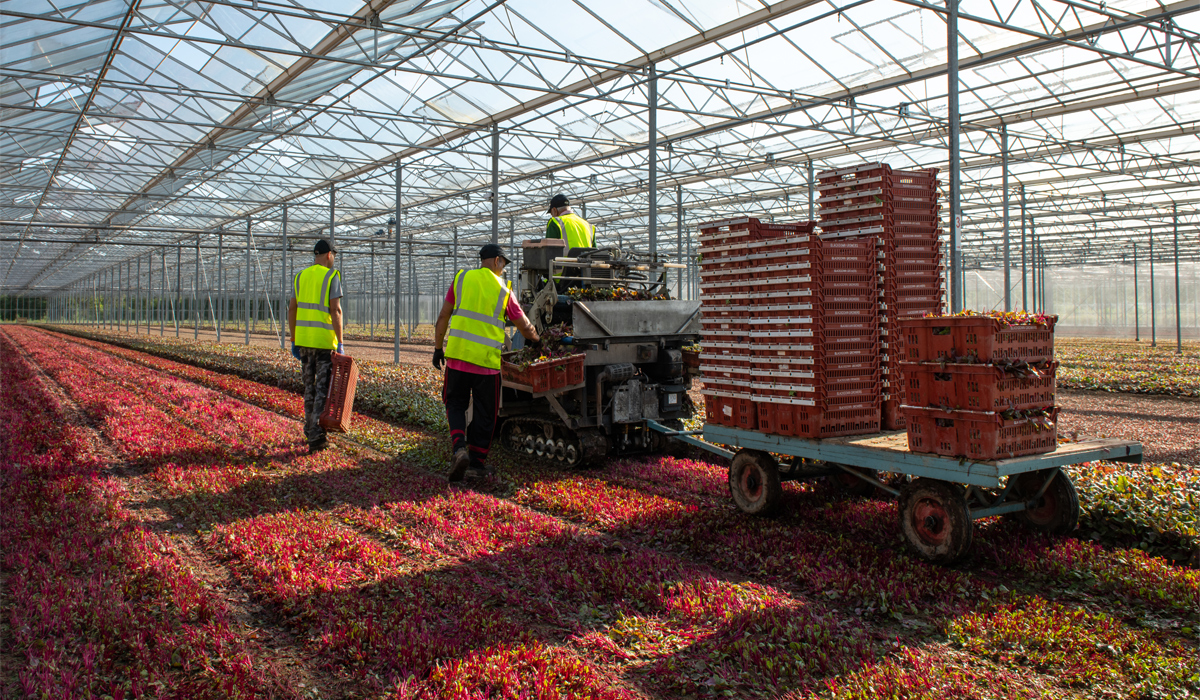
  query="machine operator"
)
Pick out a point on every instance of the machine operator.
point(471, 324)
point(565, 224)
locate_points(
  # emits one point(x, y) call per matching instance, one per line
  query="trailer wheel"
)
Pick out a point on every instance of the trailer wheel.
point(1057, 511)
point(754, 483)
point(934, 519)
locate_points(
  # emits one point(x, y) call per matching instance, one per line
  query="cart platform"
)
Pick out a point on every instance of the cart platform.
point(939, 497)
point(889, 452)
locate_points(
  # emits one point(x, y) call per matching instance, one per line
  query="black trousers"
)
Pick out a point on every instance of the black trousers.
point(458, 389)
point(315, 366)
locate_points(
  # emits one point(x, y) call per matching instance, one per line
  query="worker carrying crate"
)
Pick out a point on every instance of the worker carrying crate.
point(315, 321)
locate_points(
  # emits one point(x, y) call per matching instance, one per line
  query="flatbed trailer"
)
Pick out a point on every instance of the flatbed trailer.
point(939, 497)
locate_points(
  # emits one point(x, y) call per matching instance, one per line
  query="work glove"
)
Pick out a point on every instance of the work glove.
point(295, 351)
point(341, 349)
point(439, 358)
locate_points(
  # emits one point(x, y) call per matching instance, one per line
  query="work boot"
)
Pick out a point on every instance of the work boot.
point(458, 464)
point(319, 445)
point(479, 471)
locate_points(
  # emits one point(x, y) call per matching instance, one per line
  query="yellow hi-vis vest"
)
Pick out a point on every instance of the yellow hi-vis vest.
point(477, 326)
point(314, 324)
point(577, 232)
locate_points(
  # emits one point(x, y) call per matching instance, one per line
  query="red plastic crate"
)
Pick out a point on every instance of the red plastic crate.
point(913, 287)
point(860, 283)
point(339, 406)
point(539, 377)
point(932, 339)
point(718, 410)
point(796, 420)
point(891, 416)
point(976, 387)
point(979, 435)
point(929, 246)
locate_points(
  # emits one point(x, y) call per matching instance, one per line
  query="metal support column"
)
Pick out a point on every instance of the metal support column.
point(652, 175)
point(219, 319)
point(1153, 309)
point(496, 185)
point(1004, 186)
point(284, 280)
point(1024, 262)
point(371, 303)
point(165, 292)
point(812, 188)
point(396, 274)
point(177, 299)
point(337, 263)
point(196, 294)
point(679, 240)
point(956, 290)
point(1178, 315)
point(249, 278)
point(137, 304)
point(1033, 262)
point(1137, 328)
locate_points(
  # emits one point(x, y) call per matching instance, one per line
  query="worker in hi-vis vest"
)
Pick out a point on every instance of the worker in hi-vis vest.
point(471, 324)
point(315, 319)
point(564, 224)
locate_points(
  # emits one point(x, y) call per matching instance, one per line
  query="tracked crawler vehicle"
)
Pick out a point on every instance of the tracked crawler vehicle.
point(633, 371)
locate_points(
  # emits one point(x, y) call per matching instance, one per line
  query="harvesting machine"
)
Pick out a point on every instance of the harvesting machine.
point(633, 335)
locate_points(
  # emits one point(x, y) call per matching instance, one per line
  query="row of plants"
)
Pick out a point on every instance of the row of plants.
point(809, 577)
point(407, 393)
point(375, 615)
point(1126, 366)
point(99, 604)
point(1153, 513)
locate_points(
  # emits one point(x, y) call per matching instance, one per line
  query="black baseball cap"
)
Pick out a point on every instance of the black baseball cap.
point(559, 200)
point(491, 250)
point(322, 247)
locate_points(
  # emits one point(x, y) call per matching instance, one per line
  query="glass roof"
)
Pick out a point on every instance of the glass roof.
point(127, 124)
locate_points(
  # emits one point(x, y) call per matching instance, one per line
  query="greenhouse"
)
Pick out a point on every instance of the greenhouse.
point(767, 270)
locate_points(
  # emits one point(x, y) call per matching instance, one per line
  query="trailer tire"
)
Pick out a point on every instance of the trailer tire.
point(754, 483)
point(934, 520)
point(1057, 512)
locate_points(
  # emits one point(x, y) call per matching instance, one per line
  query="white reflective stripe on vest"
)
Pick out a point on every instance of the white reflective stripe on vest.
point(475, 315)
point(311, 307)
point(325, 288)
point(497, 318)
point(315, 324)
point(468, 335)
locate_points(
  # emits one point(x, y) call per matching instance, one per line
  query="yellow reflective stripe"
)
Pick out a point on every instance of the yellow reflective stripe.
point(473, 338)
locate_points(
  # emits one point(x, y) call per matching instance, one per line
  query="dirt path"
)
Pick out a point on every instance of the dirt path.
point(1167, 426)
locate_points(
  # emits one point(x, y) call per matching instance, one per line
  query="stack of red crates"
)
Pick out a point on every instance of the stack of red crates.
point(790, 329)
point(979, 388)
point(899, 209)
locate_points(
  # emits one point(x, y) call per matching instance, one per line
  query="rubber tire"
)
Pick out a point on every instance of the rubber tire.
point(947, 537)
point(754, 483)
point(1058, 513)
point(852, 485)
